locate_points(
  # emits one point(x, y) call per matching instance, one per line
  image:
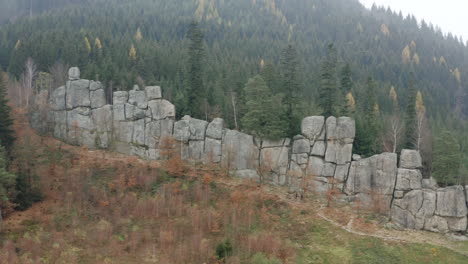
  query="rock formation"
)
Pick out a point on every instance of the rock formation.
point(319, 159)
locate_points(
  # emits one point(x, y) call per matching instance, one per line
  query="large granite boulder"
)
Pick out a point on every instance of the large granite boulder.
point(196, 150)
point(408, 180)
point(239, 151)
point(98, 98)
point(120, 97)
point(102, 118)
point(451, 202)
point(312, 127)
point(338, 152)
point(153, 93)
point(77, 94)
point(215, 128)
point(410, 159)
point(182, 130)
point(74, 73)
point(94, 86)
point(213, 149)
point(414, 209)
point(139, 133)
point(301, 145)
point(276, 161)
point(374, 176)
point(152, 133)
point(319, 149)
point(57, 99)
point(138, 98)
point(161, 109)
point(342, 128)
point(197, 129)
point(316, 167)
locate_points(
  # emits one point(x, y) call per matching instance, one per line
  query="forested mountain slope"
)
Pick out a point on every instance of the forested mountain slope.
point(141, 41)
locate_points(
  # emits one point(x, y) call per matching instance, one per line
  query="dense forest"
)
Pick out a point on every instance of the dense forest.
point(214, 57)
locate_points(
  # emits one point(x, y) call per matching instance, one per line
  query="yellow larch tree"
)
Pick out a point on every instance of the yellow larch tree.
point(384, 29)
point(416, 59)
point(87, 44)
point(98, 44)
point(132, 54)
point(350, 103)
point(406, 54)
point(18, 44)
point(394, 97)
point(456, 73)
point(138, 35)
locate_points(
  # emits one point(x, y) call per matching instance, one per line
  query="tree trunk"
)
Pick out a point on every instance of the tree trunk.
point(233, 101)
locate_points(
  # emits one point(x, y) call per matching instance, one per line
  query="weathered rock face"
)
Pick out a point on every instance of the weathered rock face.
point(313, 127)
point(140, 122)
point(239, 151)
point(451, 202)
point(419, 204)
point(408, 180)
point(410, 159)
point(374, 176)
point(74, 74)
point(274, 160)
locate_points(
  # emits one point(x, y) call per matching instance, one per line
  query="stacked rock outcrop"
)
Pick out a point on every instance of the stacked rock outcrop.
point(320, 158)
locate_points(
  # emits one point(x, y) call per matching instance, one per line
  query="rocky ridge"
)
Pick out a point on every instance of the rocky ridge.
point(319, 159)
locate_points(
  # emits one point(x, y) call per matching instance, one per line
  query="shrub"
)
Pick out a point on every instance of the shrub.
point(27, 194)
point(224, 250)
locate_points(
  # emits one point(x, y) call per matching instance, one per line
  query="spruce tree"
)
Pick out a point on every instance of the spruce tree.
point(6, 133)
point(328, 83)
point(346, 82)
point(7, 183)
point(447, 159)
point(367, 124)
point(410, 116)
point(290, 89)
point(264, 116)
point(196, 95)
point(346, 85)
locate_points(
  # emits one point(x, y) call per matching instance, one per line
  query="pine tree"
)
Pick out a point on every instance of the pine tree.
point(196, 93)
point(6, 133)
point(410, 116)
point(328, 84)
point(289, 70)
point(263, 117)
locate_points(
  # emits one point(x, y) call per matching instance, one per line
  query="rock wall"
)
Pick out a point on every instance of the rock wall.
point(320, 158)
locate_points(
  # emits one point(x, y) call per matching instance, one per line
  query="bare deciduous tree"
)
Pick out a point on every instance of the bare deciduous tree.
point(421, 129)
point(234, 103)
point(394, 132)
point(27, 79)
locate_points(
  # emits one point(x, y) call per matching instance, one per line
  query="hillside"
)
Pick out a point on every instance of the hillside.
point(101, 207)
point(238, 36)
point(244, 38)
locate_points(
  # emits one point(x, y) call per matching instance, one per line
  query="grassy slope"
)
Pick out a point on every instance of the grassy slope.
point(107, 208)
